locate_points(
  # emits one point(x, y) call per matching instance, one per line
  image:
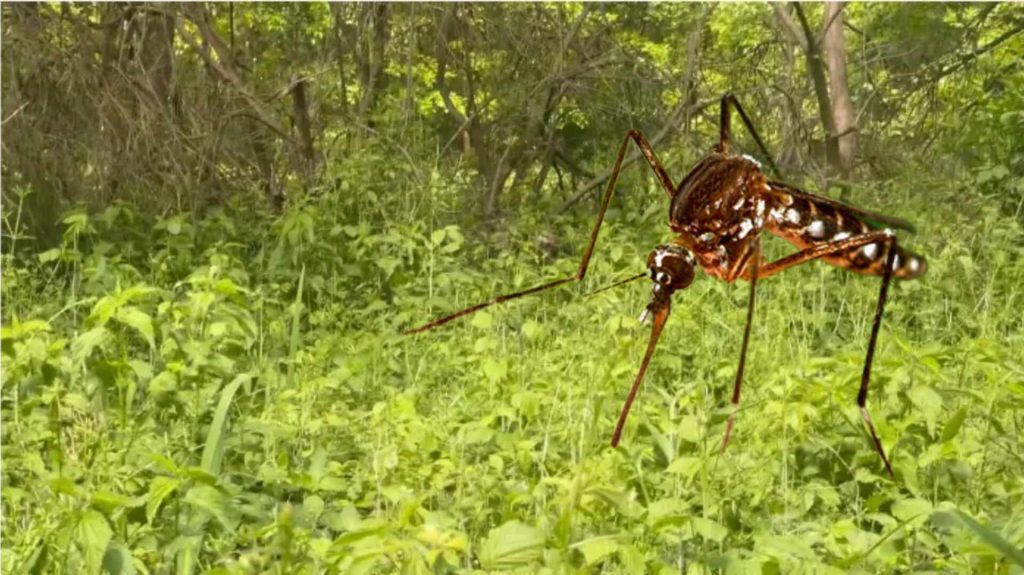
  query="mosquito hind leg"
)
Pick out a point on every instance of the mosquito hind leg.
point(841, 246)
point(862, 395)
point(725, 135)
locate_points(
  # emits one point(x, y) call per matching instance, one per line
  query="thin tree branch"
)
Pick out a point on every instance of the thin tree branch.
point(974, 54)
point(670, 127)
point(789, 26)
point(14, 113)
point(223, 68)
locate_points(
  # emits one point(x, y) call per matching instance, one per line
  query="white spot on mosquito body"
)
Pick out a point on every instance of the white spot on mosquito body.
point(751, 160)
point(816, 229)
point(775, 214)
point(870, 251)
point(914, 264)
point(745, 227)
point(793, 216)
point(841, 236)
point(739, 204)
point(760, 207)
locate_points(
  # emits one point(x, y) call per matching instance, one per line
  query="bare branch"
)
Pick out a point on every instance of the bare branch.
point(670, 127)
point(12, 115)
point(221, 64)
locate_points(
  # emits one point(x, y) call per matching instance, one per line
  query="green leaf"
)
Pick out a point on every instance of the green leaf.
point(597, 549)
point(514, 544)
point(108, 502)
point(389, 264)
point(312, 508)
point(160, 488)
point(784, 546)
point(926, 399)
point(709, 529)
point(482, 320)
point(215, 502)
point(92, 535)
point(19, 329)
point(685, 466)
point(495, 371)
point(138, 320)
point(84, 344)
point(118, 561)
point(952, 427)
point(929, 402)
point(50, 255)
point(477, 432)
point(667, 512)
point(213, 451)
point(990, 537)
point(909, 509)
point(690, 429)
point(174, 226)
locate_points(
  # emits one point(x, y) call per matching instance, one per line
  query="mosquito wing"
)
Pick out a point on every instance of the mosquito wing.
point(874, 220)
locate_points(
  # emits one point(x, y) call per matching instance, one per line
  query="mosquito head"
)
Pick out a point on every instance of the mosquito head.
point(672, 268)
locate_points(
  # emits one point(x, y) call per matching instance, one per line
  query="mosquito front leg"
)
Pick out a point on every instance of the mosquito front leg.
point(666, 183)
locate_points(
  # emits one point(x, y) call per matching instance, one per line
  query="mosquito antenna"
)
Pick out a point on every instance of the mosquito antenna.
point(660, 317)
point(616, 284)
point(666, 183)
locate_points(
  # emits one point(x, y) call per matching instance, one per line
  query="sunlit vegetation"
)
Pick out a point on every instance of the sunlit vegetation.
point(217, 219)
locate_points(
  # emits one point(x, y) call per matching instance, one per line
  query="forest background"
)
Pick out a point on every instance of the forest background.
point(218, 217)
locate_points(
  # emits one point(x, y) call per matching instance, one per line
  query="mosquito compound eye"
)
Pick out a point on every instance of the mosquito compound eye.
point(671, 267)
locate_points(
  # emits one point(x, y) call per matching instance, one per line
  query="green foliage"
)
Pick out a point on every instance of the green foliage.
point(260, 412)
point(222, 388)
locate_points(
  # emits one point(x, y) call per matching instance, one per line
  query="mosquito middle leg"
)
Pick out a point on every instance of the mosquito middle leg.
point(581, 272)
point(755, 258)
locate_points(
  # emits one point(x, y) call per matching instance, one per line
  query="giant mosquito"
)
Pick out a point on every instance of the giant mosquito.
point(718, 213)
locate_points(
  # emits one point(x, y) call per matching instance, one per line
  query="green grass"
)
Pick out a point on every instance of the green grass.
point(231, 395)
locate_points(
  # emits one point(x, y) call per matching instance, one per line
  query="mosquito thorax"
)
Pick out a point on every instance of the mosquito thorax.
point(671, 267)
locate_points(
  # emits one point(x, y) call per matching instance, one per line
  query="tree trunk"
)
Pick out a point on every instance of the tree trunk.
point(816, 69)
point(844, 117)
point(343, 33)
point(304, 130)
point(371, 53)
point(158, 55)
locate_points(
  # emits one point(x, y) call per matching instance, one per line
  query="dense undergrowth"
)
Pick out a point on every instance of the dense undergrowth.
point(229, 393)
